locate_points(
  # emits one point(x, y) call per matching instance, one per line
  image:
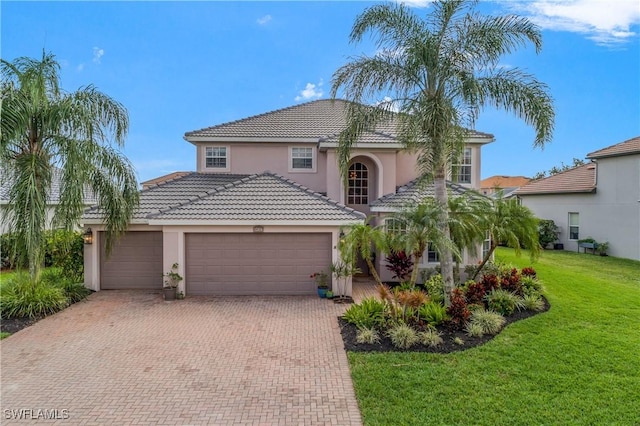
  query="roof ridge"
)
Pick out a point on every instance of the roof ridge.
point(612, 146)
point(264, 114)
point(173, 179)
point(590, 163)
point(203, 195)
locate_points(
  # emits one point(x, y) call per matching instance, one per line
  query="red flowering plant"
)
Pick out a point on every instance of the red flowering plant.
point(321, 278)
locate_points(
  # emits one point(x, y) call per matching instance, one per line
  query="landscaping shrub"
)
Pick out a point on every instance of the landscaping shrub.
point(458, 311)
point(430, 337)
point(531, 286)
point(489, 322)
point(547, 232)
point(366, 314)
point(400, 265)
point(474, 292)
point(8, 258)
point(434, 287)
point(473, 330)
point(503, 301)
point(402, 336)
point(65, 249)
point(20, 297)
point(529, 272)
point(367, 335)
point(532, 302)
point(433, 313)
point(73, 290)
point(490, 282)
point(510, 281)
point(413, 298)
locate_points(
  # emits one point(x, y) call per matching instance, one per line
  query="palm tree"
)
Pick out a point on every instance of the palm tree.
point(362, 238)
point(508, 222)
point(44, 128)
point(465, 222)
point(419, 226)
point(438, 74)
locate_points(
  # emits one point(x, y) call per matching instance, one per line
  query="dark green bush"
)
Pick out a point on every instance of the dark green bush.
point(503, 302)
point(547, 232)
point(433, 313)
point(367, 314)
point(73, 290)
point(21, 297)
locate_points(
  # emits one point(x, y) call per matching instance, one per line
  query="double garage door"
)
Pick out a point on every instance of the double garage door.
point(222, 264)
point(236, 264)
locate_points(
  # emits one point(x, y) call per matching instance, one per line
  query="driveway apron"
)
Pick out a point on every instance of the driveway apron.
point(125, 357)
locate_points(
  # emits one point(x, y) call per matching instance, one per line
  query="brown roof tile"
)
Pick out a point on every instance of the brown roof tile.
point(577, 180)
point(504, 182)
point(161, 179)
point(628, 147)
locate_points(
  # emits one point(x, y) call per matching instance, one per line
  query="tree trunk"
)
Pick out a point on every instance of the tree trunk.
point(446, 257)
point(485, 260)
point(414, 271)
point(373, 271)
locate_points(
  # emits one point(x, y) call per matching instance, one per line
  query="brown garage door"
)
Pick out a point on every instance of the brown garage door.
point(135, 262)
point(233, 264)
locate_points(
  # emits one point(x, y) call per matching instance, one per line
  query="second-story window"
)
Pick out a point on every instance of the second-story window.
point(216, 157)
point(464, 167)
point(301, 158)
point(358, 189)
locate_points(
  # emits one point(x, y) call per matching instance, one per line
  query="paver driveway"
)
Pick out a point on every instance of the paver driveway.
point(129, 357)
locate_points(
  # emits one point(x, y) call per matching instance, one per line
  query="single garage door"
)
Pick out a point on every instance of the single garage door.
point(236, 264)
point(135, 262)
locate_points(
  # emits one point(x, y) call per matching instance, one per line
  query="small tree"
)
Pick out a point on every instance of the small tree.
point(547, 232)
point(362, 238)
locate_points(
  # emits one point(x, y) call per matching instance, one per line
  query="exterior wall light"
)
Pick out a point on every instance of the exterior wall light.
point(88, 236)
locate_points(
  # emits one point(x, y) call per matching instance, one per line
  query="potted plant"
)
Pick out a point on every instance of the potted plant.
point(171, 281)
point(321, 278)
point(343, 271)
point(602, 248)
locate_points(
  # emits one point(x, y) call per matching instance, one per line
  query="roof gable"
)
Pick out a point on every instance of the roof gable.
point(581, 179)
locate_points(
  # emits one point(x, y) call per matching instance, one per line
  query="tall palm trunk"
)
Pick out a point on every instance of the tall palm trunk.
point(373, 271)
point(414, 272)
point(486, 259)
point(446, 257)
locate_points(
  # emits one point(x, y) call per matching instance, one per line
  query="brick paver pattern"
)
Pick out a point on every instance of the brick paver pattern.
point(126, 357)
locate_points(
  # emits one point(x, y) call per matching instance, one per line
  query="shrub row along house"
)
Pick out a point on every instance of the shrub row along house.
point(265, 207)
point(600, 199)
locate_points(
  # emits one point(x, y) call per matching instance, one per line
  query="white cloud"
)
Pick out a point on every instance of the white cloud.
point(415, 3)
point(264, 20)
point(98, 53)
point(310, 91)
point(605, 22)
point(389, 104)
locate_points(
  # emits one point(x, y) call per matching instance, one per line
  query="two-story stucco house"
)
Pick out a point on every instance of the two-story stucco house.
point(265, 206)
point(600, 199)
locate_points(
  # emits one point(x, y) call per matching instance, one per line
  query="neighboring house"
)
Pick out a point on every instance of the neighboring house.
point(156, 181)
point(506, 185)
point(265, 207)
point(53, 199)
point(600, 199)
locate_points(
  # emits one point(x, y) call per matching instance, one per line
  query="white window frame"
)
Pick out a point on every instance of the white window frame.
point(465, 164)
point(577, 215)
point(363, 196)
point(313, 157)
point(227, 159)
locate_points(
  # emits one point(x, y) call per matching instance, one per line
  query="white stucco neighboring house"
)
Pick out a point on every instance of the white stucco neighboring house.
point(265, 206)
point(600, 199)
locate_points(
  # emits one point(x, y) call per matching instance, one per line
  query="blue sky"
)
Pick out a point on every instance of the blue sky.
point(180, 66)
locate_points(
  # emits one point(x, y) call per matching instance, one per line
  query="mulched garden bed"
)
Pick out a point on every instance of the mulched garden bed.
point(13, 325)
point(348, 332)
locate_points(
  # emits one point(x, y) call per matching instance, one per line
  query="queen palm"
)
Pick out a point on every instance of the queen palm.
point(510, 223)
point(43, 129)
point(436, 74)
point(361, 239)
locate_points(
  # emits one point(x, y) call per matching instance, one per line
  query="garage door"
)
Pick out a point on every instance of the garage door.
point(135, 262)
point(235, 264)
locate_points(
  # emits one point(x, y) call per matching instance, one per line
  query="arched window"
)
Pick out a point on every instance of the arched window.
point(358, 186)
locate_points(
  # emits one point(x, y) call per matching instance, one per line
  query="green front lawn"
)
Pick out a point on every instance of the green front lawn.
point(577, 364)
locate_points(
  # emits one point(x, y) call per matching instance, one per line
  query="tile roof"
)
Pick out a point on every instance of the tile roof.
point(173, 193)
point(628, 147)
point(161, 179)
point(218, 197)
point(503, 182)
point(54, 193)
point(316, 120)
point(581, 179)
point(412, 193)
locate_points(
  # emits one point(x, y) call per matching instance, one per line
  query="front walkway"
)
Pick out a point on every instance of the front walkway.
point(125, 357)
